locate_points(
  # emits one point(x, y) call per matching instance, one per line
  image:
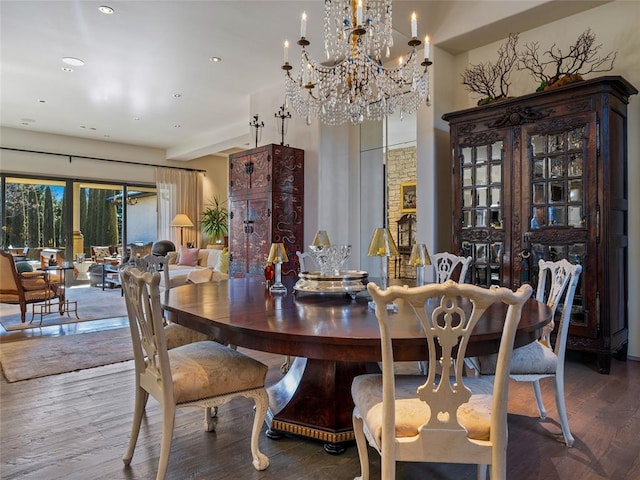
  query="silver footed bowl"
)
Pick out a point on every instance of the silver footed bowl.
point(330, 258)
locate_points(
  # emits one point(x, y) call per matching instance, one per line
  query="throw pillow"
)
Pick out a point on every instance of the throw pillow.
point(188, 256)
point(173, 258)
point(222, 265)
point(214, 256)
point(100, 253)
point(202, 257)
point(22, 267)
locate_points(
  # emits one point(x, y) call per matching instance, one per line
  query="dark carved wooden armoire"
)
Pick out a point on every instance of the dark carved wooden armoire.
point(266, 201)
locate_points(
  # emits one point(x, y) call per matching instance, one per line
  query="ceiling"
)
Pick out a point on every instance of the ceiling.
point(148, 78)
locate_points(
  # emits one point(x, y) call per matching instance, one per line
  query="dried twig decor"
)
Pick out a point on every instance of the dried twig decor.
point(485, 79)
point(562, 69)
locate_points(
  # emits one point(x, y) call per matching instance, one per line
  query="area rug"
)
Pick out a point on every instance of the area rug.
point(35, 357)
point(93, 303)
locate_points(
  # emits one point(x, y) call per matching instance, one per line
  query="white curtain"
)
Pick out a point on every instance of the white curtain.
point(179, 191)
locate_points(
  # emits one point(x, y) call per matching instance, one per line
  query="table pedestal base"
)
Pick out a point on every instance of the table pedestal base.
point(313, 400)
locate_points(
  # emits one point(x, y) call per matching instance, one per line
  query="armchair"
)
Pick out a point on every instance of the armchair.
point(26, 287)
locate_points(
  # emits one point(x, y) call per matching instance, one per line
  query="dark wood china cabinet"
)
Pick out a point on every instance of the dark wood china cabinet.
point(266, 205)
point(544, 176)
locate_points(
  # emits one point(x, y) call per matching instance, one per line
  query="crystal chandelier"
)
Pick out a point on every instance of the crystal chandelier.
point(353, 84)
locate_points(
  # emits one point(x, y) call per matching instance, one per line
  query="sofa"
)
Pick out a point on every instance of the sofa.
point(196, 265)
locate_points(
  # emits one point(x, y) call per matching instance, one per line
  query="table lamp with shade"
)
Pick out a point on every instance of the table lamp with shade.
point(383, 246)
point(277, 255)
point(181, 220)
point(419, 258)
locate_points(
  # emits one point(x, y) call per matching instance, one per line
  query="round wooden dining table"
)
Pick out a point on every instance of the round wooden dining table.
point(333, 337)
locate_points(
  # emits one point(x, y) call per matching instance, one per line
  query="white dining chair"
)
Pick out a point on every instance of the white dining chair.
point(540, 359)
point(443, 417)
point(446, 264)
point(199, 374)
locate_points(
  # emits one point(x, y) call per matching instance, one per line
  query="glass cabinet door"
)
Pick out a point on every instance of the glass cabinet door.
point(556, 202)
point(481, 228)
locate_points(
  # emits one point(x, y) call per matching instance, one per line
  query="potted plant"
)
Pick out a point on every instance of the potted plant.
point(214, 221)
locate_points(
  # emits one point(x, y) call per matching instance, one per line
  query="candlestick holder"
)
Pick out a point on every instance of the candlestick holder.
point(257, 125)
point(283, 115)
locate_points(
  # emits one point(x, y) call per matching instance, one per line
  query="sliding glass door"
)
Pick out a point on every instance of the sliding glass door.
point(70, 217)
point(34, 215)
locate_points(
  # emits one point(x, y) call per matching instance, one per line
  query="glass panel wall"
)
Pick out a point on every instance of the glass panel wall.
point(34, 216)
point(65, 218)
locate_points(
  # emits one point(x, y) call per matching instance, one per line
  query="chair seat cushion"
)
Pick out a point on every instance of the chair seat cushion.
point(412, 413)
point(32, 296)
point(533, 358)
point(208, 369)
point(34, 283)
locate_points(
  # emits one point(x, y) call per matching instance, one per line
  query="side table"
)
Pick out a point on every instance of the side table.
point(62, 303)
point(83, 269)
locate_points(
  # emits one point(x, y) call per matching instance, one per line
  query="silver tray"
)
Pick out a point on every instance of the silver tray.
point(350, 282)
point(342, 276)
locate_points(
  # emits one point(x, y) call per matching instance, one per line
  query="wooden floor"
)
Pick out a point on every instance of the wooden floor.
point(75, 426)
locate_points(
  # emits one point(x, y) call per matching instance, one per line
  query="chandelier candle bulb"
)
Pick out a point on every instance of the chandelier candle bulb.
point(426, 47)
point(359, 13)
point(414, 25)
point(286, 51)
point(303, 25)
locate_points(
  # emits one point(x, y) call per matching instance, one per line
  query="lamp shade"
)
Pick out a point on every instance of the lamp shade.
point(181, 220)
point(321, 239)
point(277, 254)
point(382, 244)
point(419, 255)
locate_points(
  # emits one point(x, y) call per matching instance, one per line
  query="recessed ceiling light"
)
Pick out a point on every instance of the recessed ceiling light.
point(177, 126)
point(67, 69)
point(75, 62)
point(177, 95)
point(42, 101)
point(107, 10)
point(215, 59)
point(27, 120)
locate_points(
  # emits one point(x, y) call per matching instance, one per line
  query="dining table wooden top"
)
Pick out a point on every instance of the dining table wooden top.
point(242, 312)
